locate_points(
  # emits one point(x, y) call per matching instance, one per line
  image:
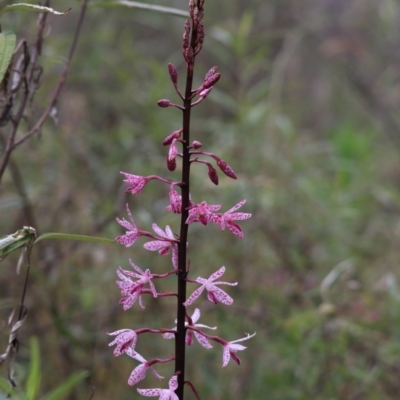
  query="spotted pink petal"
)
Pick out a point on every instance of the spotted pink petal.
point(195, 316)
point(138, 269)
point(194, 296)
point(235, 229)
point(137, 375)
point(217, 274)
point(226, 356)
point(129, 301)
point(149, 392)
point(155, 245)
point(202, 340)
point(222, 296)
point(189, 338)
point(173, 383)
point(158, 230)
point(155, 374)
point(214, 207)
point(168, 335)
point(128, 239)
point(240, 216)
point(153, 289)
point(236, 207)
point(175, 256)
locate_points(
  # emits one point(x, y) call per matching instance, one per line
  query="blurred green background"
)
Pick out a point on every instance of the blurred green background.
point(307, 114)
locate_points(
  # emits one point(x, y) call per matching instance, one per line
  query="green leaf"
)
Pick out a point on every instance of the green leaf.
point(68, 236)
point(33, 383)
point(5, 389)
point(16, 241)
point(31, 7)
point(7, 45)
point(144, 6)
point(66, 387)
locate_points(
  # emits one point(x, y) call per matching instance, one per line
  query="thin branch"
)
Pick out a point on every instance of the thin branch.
point(61, 81)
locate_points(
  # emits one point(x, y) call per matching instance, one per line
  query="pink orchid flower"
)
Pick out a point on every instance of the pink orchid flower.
point(215, 294)
point(139, 373)
point(165, 394)
point(132, 290)
point(126, 341)
point(189, 334)
point(132, 233)
point(137, 183)
point(175, 201)
point(163, 246)
point(201, 212)
point(230, 349)
point(226, 219)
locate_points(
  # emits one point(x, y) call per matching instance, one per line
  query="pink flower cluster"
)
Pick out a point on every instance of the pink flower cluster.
point(135, 284)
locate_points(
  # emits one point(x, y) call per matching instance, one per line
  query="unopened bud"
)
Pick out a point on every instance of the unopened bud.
point(172, 73)
point(212, 173)
point(174, 135)
point(210, 73)
point(171, 165)
point(163, 103)
point(200, 33)
point(196, 144)
point(226, 169)
point(204, 93)
point(191, 7)
point(173, 151)
point(189, 56)
point(211, 81)
point(195, 17)
point(186, 34)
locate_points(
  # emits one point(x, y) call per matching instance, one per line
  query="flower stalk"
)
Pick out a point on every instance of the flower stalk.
point(137, 285)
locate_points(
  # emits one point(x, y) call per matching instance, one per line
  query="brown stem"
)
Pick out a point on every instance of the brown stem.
point(180, 345)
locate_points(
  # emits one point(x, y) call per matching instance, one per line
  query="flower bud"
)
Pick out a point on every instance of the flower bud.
point(174, 135)
point(171, 164)
point(212, 173)
point(173, 150)
point(172, 73)
point(196, 144)
point(226, 169)
point(191, 7)
point(189, 56)
point(200, 33)
point(211, 81)
point(164, 103)
point(210, 73)
point(186, 34)
point(204, 93)
point(195, 17)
